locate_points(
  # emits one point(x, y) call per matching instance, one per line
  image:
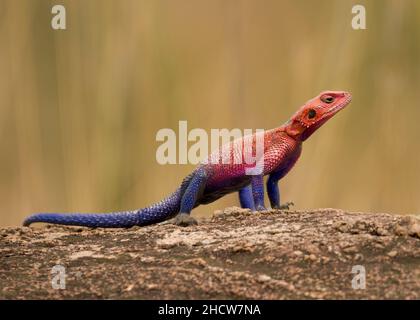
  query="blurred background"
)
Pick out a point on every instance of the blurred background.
point(80, 108)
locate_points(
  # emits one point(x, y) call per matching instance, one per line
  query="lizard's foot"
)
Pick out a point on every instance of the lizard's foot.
point(284, 206)
point(260, 208)
point(184, 220)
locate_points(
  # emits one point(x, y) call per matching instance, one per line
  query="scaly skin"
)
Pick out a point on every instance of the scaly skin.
point(215, 178)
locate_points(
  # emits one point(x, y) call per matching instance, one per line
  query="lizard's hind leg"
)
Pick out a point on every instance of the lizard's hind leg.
point(246, 199)
point(189, 199)
point(274, 193)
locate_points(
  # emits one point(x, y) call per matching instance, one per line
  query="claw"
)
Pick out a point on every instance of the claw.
point(260, 208)
point(184, 220)
point(284, 206)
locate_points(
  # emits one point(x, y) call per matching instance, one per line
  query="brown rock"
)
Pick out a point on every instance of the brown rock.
point(236, 255)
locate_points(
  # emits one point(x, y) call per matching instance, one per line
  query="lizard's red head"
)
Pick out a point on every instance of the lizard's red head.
point(315, 113)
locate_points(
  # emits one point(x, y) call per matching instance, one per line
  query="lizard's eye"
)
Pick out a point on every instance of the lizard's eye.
point(311, 114)
point(327, 99)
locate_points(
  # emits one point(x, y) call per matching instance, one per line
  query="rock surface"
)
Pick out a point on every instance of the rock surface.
point(235, 254)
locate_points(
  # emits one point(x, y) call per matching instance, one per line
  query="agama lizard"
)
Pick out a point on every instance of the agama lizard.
point(212, 180)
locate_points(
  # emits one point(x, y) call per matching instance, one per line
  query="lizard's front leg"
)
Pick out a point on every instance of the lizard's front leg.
point(194, 190)
point(246, 198)
point(274, 193)
point(257, 185)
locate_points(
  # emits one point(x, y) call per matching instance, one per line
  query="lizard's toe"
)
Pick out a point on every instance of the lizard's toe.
point(260, 208)
point(284, 206)
point(184, 220)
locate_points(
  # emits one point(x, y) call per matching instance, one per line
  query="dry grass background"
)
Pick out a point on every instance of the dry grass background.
point(79, 109)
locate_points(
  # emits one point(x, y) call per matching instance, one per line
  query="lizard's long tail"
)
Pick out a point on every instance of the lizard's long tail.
point(158, 212)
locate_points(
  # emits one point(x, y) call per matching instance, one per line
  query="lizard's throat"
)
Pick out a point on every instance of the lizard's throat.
point(300, 132)
point(309, 131)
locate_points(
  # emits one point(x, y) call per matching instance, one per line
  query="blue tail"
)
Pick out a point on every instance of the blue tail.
point(158, 212)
